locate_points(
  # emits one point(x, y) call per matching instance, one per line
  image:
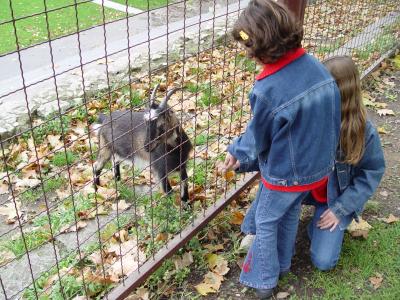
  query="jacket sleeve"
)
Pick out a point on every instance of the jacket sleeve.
point(255, 139)
point(365, 180)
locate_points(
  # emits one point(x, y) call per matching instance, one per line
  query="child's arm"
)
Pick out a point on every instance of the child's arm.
point(255, 139)
point(368, 174)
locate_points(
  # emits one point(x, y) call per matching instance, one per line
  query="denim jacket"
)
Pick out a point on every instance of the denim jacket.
point(350, 187)
point(295, 126)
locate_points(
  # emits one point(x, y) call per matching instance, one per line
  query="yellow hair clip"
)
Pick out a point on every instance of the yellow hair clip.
point(243, 35)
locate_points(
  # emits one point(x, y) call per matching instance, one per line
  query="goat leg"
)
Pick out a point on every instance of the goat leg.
point(184, 183)
point(117, 171)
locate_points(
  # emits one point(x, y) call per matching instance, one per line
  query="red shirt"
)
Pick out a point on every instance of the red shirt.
point(318, 189)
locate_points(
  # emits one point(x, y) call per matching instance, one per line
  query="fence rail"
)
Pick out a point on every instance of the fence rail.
point(63, 63)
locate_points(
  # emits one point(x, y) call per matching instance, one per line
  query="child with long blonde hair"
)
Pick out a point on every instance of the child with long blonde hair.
point(359, 169)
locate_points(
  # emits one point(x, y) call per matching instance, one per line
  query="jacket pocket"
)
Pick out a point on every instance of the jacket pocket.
point(343, 176)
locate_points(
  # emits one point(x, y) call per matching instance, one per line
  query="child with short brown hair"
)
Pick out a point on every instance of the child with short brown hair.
point(291, 138)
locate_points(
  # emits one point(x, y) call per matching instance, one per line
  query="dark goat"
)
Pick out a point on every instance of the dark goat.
point(153, 136)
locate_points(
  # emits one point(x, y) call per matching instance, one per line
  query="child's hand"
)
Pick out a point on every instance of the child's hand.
point(328, 220)
point(231, 163)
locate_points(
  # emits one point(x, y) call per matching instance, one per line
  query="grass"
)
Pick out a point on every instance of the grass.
point(360, 260)
point(49, 185)
point(61, 159)
point(208, 95)
point(50, 126)
point(32, 30)
point(381, 44)
point(245, 63)
point(40, 234)
point(144, 4)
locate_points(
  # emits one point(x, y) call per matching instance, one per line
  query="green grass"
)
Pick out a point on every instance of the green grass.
point(50, 126)
point(33, 30)
point(360, 260)
point(143, 4)
point(381, 44)
point(201, 139)
point(61, 160)
point(246, 64)
point(49, 185)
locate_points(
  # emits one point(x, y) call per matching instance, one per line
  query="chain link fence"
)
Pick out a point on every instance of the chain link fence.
point(142, 98)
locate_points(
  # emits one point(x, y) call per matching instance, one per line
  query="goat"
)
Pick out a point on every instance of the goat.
point(154, 135)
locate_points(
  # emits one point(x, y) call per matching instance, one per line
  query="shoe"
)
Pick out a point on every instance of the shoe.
point(246, 243)
point(264, 294)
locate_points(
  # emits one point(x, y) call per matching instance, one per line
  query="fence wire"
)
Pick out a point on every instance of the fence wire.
point(68, 65)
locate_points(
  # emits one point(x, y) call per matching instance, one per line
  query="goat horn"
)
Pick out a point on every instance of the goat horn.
point(169, 94)
point(153, 93)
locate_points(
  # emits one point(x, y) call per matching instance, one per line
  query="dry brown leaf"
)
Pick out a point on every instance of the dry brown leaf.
point(214, 280)
point(73, 228)
point(359, 229)
point(214, 248)
point(204, 289)
point(382, 130)
point(162, 236)
point(122, 205)
point(26, 182)
point(217, 264)
point(3, 188)
point(390, 219)
point(55, 141)
point(384, 193)
point(282, 295)
point(10, 211)
point(385, 112)
point(376, 281)
point(5, 257)
point(140, 294)
point(229, 175)
point(236, 218)
point(184, 261)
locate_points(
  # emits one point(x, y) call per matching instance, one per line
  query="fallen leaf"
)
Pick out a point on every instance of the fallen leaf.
point(204, 289)
point(162, 236)
point(361, 228)
point(10, 211)
point(214, 248)
point(184, 261)
point(282, 295)
point(217, 264)
point(214, 280)
point(27, 182)
point(376, 281)
point(390, 219)
point(5, 257)
point(3, 188)
point(384, 193)
point(236, 218)
point(385, 112)
point(73, 228)
point(382, 130)
point(122, 205)
point(229, 175)
point(54, 141)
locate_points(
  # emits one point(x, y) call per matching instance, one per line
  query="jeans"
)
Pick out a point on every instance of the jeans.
point(325, 245)
point(273, 218)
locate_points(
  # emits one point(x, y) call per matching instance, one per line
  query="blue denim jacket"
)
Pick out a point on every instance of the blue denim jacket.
point(350, 187)
point(295, 126)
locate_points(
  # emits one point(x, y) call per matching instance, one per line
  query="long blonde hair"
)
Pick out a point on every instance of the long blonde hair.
point(354, 114)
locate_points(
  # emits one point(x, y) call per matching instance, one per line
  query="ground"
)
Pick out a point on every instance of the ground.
point(362, 260)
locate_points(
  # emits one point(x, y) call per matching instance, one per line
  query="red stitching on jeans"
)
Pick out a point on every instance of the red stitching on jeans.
point(246, 265)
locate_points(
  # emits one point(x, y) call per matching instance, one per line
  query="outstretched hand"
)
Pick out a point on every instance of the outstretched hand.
point(328, 220)
point(230, 163)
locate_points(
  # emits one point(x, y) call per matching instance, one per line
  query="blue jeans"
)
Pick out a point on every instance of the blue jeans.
point(325, 245)
point(273, 218)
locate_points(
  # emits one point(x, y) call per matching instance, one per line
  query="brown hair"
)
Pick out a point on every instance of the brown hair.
point(354, 114)
point(268, 30)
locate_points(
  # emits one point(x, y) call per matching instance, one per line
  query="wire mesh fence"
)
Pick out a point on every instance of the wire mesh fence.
point(114, 117)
